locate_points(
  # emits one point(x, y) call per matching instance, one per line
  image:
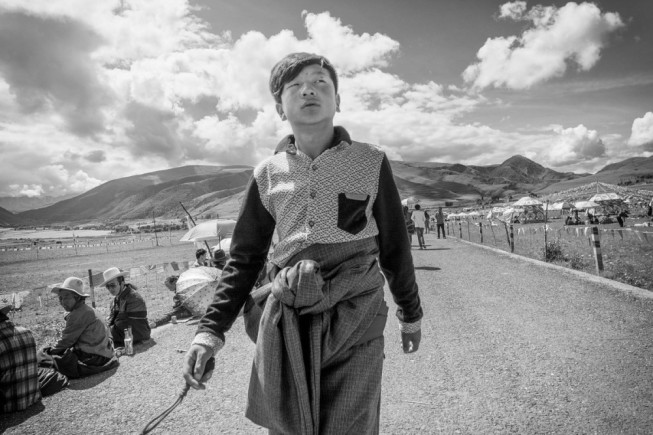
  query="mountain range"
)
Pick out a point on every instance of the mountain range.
point(216, 191)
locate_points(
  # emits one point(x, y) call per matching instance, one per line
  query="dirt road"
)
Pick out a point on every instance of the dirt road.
point(509, 346)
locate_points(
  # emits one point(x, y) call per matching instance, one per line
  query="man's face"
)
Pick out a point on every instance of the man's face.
point(202, 259)
point(309, 98)
point(114, 287)
point(67, 300)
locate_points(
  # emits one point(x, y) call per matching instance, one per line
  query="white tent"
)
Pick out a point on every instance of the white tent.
point(527, 200)
point(558, 206)
point(584, 205)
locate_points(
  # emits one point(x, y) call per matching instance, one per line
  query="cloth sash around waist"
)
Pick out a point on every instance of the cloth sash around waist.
point(343, 306)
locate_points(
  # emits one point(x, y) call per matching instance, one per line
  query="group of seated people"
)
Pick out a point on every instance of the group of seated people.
point(591, 219)
point(87, 345)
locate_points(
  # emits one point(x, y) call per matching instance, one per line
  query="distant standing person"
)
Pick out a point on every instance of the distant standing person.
point(419, 219)
point(439, 222)
point(19, 372)
point(621, 217)
point(427, 221)
point(128, 308)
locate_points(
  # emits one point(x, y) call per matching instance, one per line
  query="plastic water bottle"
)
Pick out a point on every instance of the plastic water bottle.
point(129, 342)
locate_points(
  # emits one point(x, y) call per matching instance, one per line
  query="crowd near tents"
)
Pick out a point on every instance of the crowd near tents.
point(598, 199)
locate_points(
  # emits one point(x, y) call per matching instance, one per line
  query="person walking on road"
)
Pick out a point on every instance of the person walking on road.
point(334, 204)
point(419, 219)
point(439, 222)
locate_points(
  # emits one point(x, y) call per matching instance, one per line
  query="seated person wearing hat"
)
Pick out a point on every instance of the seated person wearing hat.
point(128, 308)
point(84, 347)
point(19, 374)
point(219, 258)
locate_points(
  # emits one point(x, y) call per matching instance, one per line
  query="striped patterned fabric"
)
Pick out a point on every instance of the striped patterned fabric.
point(310, 375)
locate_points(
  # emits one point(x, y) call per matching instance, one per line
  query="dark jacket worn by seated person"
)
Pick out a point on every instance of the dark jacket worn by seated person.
point(128, 309)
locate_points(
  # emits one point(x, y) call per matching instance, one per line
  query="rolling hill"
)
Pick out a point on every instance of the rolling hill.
point(141, 196)
point(210, 191)
point(16, 204)
point(7, 218)
point(633, 170)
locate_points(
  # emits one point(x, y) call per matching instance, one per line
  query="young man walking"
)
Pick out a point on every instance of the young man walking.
point(419, 219)
point(439, 222)
point(338, 215)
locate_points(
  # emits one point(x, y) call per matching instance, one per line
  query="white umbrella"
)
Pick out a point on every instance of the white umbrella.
point(225, 245)
point(196, 288)
point(209, 230)
point(409, 201)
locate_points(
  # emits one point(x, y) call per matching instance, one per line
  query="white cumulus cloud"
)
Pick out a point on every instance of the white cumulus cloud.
point(574, 145)
point(144, 86)
point(642, 131)
point(554, 39)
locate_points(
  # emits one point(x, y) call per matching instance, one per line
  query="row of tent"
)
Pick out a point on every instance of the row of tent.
point(528, 210)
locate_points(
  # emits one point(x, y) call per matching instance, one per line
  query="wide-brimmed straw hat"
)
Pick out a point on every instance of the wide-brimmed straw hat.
point(111, 273)
point(72, 284)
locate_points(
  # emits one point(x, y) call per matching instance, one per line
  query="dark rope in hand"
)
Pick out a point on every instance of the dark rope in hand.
point(149, 427)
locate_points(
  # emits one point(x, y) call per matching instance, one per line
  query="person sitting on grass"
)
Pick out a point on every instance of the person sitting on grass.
point(178, 309)
point(84, 347)
point(127, 310)
point(200, 258)
point(19, 374)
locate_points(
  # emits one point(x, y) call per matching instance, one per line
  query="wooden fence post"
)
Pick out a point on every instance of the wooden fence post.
point(469, 236)
point(460, 229)
point(90, 283)
point(493, 236)
point(480, 229)
point(596, 244)
point(512, 239)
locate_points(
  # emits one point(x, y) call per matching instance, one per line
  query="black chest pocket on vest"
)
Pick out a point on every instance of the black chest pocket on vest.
point(351, 212)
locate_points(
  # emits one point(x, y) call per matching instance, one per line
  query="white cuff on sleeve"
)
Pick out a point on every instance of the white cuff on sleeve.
point(410, 328)
point(209, 340)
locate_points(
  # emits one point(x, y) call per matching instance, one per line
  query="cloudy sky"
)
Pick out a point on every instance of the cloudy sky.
point(96, 90)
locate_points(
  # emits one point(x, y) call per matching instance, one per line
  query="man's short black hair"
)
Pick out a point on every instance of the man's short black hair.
point(290, 66)
point(199, 253)
point(417, 207)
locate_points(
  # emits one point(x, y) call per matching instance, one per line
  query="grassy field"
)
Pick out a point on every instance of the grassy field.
point(626, 259)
